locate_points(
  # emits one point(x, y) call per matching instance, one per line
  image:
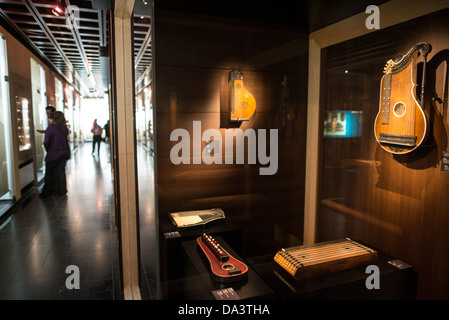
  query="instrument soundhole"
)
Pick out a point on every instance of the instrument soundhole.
point(399, 109)
point(238, 86)
point(227, 266)
point(245, 105)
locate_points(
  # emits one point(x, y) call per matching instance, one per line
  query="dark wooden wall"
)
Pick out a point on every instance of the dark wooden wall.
point(193, 56)
point(398, 204)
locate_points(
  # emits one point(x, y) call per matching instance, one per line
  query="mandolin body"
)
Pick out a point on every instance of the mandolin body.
point(242, 104)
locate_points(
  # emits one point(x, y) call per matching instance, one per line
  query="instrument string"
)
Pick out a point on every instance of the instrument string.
point(318, 260)
point(324, 254)
point(325, 251)
point(330, 246)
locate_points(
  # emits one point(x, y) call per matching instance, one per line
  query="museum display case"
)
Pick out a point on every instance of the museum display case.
point(373, 183)
point(386, 190)
point(23, 124)
point(257, 159)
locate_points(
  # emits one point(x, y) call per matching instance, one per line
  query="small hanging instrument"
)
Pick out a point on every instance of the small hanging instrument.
point(242, 104)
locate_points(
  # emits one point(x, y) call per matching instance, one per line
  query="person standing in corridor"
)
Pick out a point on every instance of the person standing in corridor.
point(58, 152)
point(97, 131)
point(48, 110)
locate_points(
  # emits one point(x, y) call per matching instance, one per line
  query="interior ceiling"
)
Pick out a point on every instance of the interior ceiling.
point(78, 54)
point(309, 15)
point(81, 54)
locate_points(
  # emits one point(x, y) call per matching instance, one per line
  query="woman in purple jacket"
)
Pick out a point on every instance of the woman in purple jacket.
point(58, 152)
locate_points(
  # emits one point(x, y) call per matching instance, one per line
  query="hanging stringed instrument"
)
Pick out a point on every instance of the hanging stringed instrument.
point(242, 104)
point(401, 124)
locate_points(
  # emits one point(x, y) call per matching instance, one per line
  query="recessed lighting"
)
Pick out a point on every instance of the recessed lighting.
point(57, 11)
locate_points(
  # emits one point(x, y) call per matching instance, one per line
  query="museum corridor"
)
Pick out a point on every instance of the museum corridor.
point(42, 237)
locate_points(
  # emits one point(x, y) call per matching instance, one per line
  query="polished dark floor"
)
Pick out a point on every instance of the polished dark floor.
point(42, 237)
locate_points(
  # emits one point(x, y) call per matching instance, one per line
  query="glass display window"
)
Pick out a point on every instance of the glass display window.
point(23, 123)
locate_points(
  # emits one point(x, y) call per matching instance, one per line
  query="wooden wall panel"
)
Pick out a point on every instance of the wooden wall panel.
point(193, 58)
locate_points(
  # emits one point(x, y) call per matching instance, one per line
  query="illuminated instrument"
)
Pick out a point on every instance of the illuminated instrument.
point(225, 268)
point(242, 104)
point(323, 258)
point(401, 125)
point(196, 218)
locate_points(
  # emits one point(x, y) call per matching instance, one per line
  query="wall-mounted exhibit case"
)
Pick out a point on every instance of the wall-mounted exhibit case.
point(392, 198)
point(265, 214)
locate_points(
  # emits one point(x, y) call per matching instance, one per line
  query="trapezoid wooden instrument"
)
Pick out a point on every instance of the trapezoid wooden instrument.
point(401, 124)
point(242, 104)
point(323, 258)
point(225, 268)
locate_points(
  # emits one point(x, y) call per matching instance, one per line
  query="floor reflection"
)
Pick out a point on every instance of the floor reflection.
point(44, 236)
point(147, 222)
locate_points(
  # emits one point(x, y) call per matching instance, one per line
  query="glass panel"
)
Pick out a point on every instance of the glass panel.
point(353, 72)
point(68, 113)
point(352, 160)
point(146, 163)
point(23, 123)
point(395, 202)
point(140, 119)
point(208, 157)
point(39, 114)
point(5, 163)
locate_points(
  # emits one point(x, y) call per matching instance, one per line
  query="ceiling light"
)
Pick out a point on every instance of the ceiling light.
point(57, 11)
